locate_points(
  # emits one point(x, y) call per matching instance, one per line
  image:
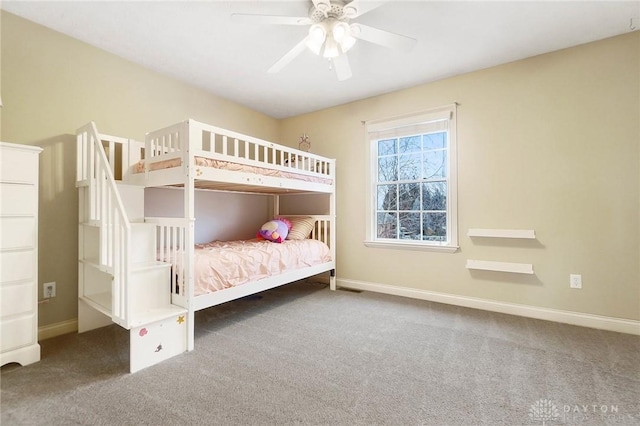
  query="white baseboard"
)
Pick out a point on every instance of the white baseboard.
point(57, 329)
point(568, 317)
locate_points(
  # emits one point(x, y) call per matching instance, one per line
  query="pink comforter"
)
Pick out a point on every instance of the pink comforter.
point(223, 264)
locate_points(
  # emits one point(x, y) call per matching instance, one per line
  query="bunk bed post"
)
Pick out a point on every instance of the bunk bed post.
point(190, 138)
point(276, 205)
point(332, 237)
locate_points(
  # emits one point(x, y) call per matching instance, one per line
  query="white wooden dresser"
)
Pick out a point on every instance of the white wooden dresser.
point(19, 254)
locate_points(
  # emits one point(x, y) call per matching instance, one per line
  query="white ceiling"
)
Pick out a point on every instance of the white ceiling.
point(196, 42)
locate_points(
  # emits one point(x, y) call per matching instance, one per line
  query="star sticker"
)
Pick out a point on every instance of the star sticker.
point(180, 319)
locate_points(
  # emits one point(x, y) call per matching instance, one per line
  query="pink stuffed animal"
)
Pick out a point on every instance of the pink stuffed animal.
point(275, 230)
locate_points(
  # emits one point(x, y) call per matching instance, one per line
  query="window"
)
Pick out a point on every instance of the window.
point(412, 196)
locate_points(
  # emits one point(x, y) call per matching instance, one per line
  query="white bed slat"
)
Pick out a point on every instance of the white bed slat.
point(112, 156)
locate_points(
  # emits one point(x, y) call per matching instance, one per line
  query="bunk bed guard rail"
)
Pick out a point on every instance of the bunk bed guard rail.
point(191, 138)
point(172, 239)
point(104, 208)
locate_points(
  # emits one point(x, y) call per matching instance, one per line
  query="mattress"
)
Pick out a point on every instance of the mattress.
point(236, 167)
point(223, 264)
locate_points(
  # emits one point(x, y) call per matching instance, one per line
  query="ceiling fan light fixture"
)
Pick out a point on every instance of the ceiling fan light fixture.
point(340, 30)
point(317, 36)
point(342, 34)
point(331, 48)
point(347, 43)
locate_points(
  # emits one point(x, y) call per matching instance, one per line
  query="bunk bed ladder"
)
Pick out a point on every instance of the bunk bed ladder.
point(120, 279)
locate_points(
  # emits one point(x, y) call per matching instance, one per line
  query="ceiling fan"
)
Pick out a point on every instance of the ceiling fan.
point(331, 33)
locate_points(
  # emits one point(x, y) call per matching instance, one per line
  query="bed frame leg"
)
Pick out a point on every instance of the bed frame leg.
point(332, 280)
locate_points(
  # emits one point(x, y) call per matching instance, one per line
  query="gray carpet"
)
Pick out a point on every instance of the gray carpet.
point(302, 354)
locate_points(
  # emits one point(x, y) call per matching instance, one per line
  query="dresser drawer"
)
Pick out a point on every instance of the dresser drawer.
point(17, 265)
point(17, 299)
point(17, 232)
point(18, 199)
point(17, 332)
point(18, 165)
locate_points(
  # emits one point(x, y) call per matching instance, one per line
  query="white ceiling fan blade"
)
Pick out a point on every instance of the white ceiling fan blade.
point(270, 19)
point(382, 37)
point(356, 8)
point(343, 69)
point(289, 56)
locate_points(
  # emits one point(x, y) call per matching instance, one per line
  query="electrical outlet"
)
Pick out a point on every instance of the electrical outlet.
point(575, 281)
point(49, 290)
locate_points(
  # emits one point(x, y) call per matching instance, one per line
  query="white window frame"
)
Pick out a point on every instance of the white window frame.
point(403, 126)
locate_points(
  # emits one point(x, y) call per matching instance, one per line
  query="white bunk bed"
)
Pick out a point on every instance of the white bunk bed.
point(124, 255)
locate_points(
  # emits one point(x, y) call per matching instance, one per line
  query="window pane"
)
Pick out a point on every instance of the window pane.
point(387, 169)
point(434, 227)
point(435, 164)
point(410, 166)
point(434, 196)
point(434, 141)
point(387, 147)
point(409, 226)
point(387, 197)
point(409, 196)
point(387, 225)
point(410, 144)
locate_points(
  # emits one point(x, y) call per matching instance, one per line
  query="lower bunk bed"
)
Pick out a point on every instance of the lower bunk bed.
point(223, 271)
point(227, 270)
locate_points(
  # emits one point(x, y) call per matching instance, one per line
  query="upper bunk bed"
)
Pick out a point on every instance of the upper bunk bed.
point(191, 153)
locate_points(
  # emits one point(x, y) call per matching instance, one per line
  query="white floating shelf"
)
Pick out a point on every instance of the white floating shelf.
point(502, 233)
point(487, 265)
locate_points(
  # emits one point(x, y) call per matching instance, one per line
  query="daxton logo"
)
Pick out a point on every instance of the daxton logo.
point(544, 410)
point(547, 411)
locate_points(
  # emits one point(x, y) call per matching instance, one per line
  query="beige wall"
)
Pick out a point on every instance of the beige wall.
point(550, 143)
point(53, 84)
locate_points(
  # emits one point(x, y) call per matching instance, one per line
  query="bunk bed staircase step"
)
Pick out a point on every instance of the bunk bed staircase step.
point(158, 329)
point(142, 251)
point(157, 341)
point(150, 293)
point(149, 302)
point(143, 244)
point(132, 197)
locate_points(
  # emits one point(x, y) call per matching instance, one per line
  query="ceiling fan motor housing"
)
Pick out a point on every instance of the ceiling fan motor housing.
point(336, 9)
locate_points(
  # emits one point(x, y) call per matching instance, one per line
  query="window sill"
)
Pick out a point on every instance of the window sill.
point(411, 246)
